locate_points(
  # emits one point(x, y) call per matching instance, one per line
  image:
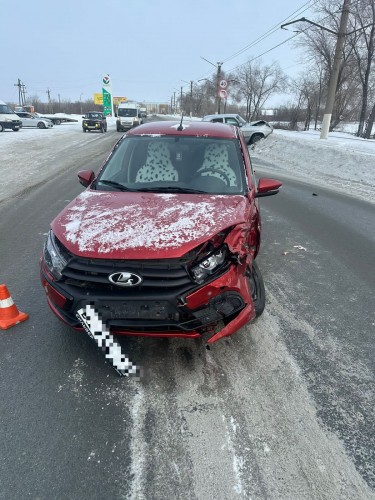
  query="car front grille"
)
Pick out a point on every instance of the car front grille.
point(156, 274)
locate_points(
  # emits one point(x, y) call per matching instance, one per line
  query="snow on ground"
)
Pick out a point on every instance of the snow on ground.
point(342, 162)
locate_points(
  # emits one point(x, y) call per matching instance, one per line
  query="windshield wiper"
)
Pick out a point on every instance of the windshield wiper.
point(115, 184)
point(172, 190)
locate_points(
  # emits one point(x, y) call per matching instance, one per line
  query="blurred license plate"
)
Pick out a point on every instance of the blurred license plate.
point(137, 310)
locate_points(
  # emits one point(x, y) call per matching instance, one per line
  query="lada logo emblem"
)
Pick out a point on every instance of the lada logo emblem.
point(124, 278)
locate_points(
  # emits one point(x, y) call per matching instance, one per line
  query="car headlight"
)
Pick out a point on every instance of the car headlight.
point(53, 258)
point(209, 265)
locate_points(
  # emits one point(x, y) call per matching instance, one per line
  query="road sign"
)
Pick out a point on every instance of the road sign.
point(223, 94)
point(223, 84)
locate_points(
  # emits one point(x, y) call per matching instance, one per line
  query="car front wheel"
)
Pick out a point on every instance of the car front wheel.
point(255, 138)
point(16, 129)
point(258, 292)
point(41, 125)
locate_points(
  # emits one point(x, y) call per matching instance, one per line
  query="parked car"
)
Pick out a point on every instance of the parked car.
point(163, 241)
point(8, 118)
point(253, 131)
point(94, 120)
point(58, 119)
point(34, 120)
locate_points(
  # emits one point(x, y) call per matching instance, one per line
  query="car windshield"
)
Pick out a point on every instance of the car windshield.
point(127, 112)
point(170, 164)
point(241, 120)
point(6, 110)
point(94, 116)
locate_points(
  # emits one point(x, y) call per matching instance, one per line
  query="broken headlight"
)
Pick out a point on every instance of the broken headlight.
point(53, 257)
point(209, 265)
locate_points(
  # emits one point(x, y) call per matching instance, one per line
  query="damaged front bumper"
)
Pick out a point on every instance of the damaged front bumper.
point(213, 311)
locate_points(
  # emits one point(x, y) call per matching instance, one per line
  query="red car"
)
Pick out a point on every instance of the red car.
point(163, 240)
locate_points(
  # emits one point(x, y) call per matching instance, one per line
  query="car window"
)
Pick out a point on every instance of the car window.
point(231, 121)
point(217, 120)
point(94, 116)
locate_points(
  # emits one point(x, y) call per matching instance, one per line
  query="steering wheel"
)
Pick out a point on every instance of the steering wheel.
point(217, 171)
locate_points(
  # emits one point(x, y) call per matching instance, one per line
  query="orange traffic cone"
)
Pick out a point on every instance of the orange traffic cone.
point(9, 314)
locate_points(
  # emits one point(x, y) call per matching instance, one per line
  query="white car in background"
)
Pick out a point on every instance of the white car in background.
point(252, 131)
point(34, 120)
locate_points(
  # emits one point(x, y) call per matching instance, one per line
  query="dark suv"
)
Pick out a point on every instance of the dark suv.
point(163, 240)
point(94, 121)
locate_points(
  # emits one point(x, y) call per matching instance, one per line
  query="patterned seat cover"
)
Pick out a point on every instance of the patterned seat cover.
point(216, 158)
point(158, 166)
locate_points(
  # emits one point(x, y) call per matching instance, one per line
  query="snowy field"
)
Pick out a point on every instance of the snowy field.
point(342, 162)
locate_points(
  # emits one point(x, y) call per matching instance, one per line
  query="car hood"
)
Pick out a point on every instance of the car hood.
point(118, 225)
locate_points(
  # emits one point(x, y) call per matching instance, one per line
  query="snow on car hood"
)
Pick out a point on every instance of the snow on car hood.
point(118, 225)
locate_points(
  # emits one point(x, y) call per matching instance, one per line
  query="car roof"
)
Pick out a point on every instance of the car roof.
point(220, 115)
point(190, 128)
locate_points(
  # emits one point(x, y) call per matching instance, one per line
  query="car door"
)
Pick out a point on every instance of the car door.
point(28, 120)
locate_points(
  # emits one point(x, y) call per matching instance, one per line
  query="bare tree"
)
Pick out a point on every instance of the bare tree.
point(362, 41)
point(257, 83)
point(319, 45)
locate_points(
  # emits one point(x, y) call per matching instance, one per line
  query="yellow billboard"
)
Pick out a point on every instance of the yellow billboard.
point(118, 100)
point(98, 98)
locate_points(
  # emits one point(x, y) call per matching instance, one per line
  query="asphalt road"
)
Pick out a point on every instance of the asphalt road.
point(284, 409)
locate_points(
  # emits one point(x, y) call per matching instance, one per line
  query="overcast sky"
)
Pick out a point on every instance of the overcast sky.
point(150, 48)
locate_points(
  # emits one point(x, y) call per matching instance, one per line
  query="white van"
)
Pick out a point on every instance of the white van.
point(128, 116)
point(8, 118)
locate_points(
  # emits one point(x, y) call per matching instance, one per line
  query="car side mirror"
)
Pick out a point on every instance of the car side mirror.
point(86, 177)
point(267, 187)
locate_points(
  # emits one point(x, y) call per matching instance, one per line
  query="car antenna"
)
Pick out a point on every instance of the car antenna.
point(180, 127)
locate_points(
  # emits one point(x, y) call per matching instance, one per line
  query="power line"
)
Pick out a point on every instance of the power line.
point(272, 30)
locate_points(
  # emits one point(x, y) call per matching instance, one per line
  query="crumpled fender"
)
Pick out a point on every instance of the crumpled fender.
point(243, 240)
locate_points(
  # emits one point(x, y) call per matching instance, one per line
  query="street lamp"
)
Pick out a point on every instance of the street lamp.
point(80, 100)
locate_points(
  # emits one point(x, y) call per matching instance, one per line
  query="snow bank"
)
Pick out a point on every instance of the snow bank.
point(342, 162)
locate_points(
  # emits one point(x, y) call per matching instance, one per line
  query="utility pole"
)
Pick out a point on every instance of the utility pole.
point(331, 93)
point(181, 99)
point(191, 98)
point(218, 76)
point(48, 92)
point(21, 92)
point(335, 71)
point(217, 86)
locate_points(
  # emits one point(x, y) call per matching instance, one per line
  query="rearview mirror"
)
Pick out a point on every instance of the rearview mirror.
point(268, 187)
point(86, 177)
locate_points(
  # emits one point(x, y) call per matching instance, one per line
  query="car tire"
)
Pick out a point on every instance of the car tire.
point(255, 138)
point(16, 129)
point(257, 288)
point(1, 128)
point(84, 130)
point(102, 130)
point(57, 122)
point(41, 125)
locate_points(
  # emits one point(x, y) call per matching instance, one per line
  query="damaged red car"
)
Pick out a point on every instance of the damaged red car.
point(163, 241)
